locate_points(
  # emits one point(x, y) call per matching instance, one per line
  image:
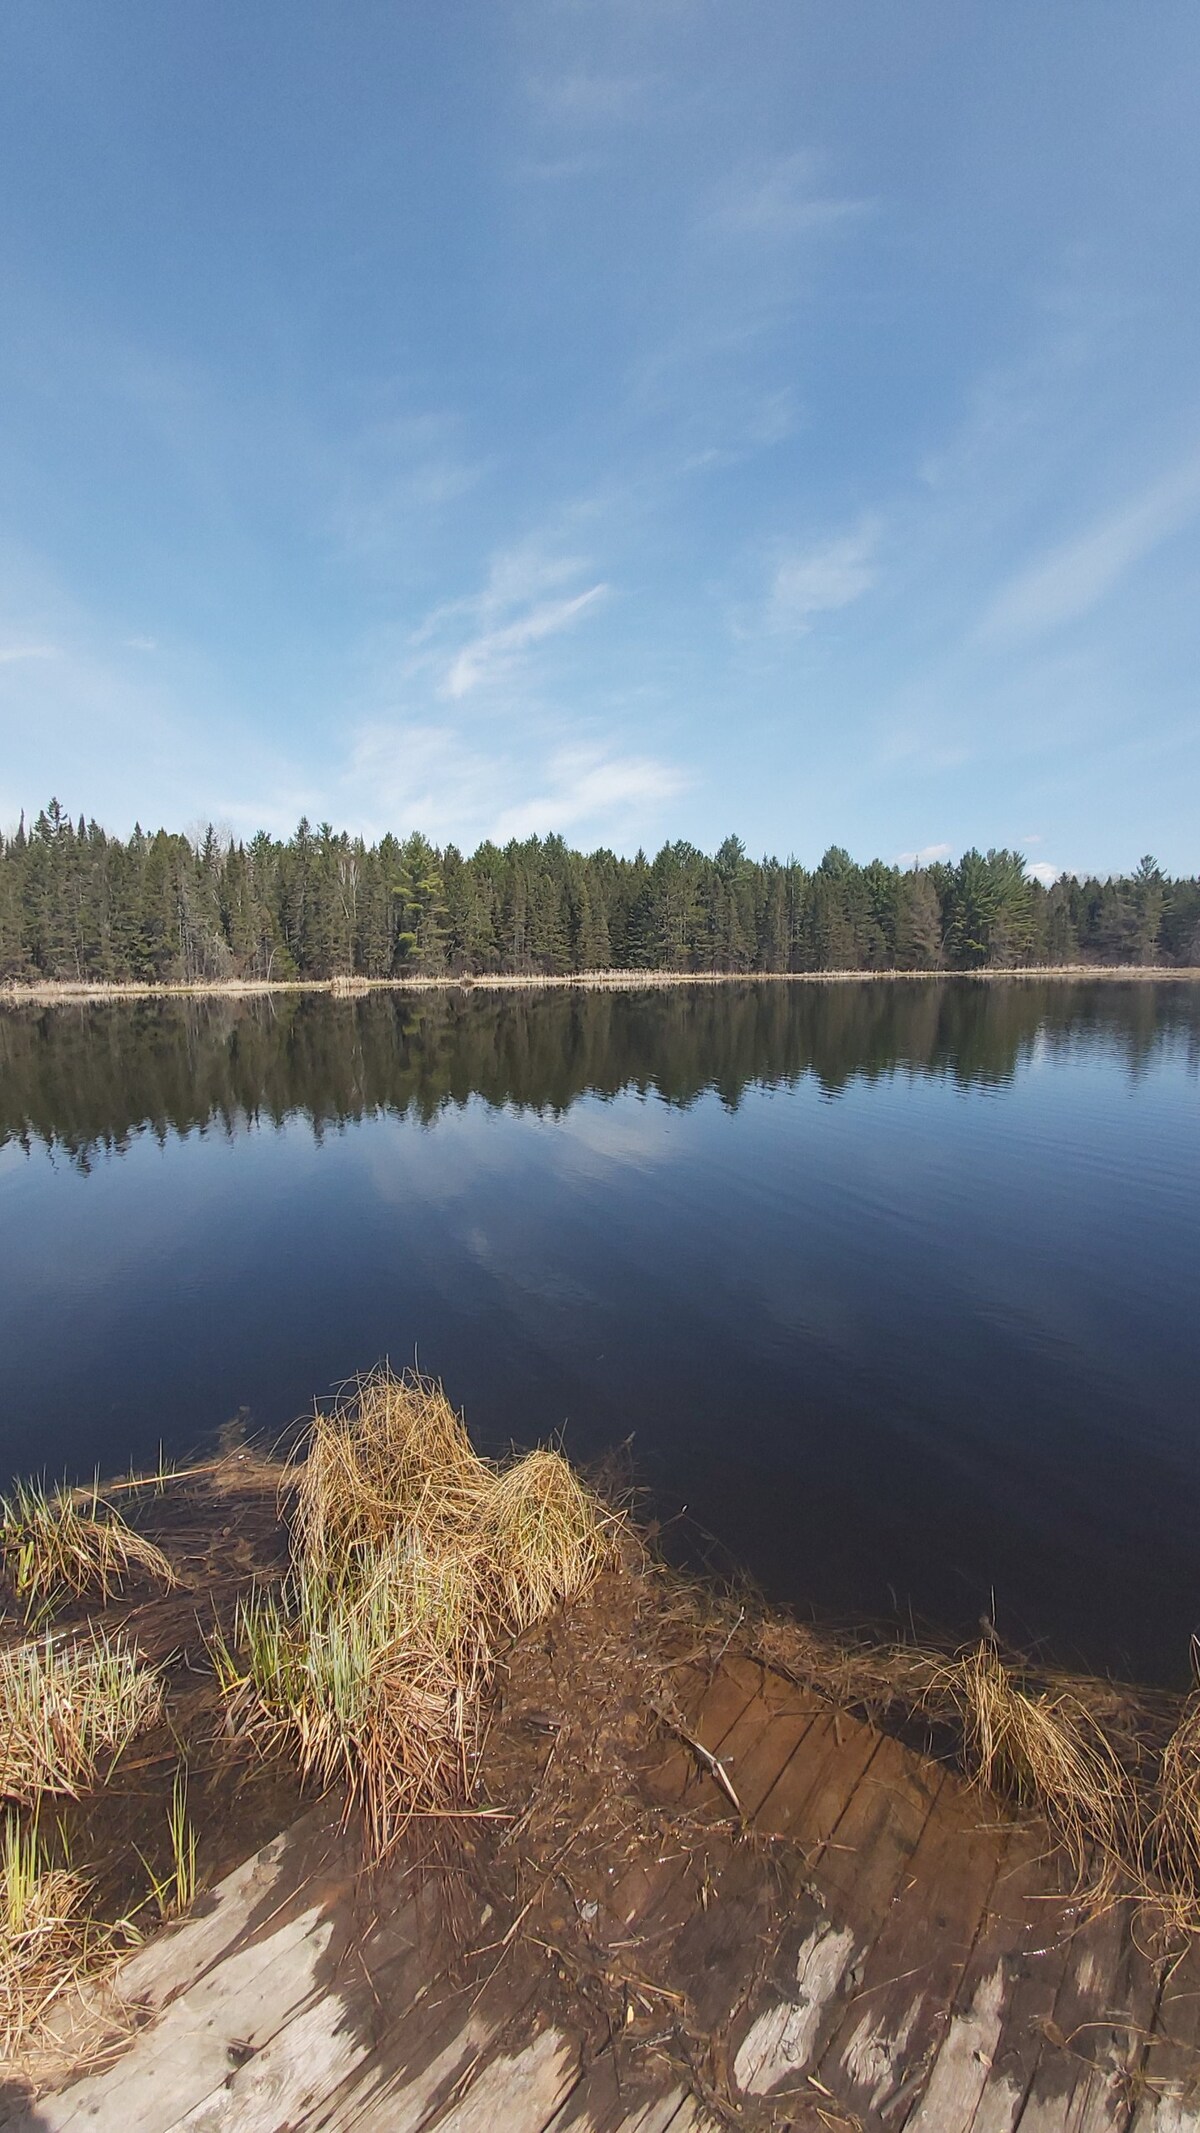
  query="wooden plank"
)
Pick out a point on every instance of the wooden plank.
point(1100, 2026)
point(727, 1723)
point(1028, 1940)
point(737, 1742)
point(315, 2052)
point(975, 2013)
point(293, 2073)
point(178, 1955)
point(693, 2117)
point(279, 1982)
point(675, 1781)
point(599, 2104)
point(669, 2111)
point(432, 2035)
point(1169, 2098)
point(859, 1861)
point(185, 2055)
point(877, 1824)
point(764, 1763)
point(888, 2037)
point(685, 1692)
point(521, 2089)
point(695, 1925)
point(810, 1794)
point(258, 1892)
point(783, 2037)
point(397, 2090)
point(709, 1934)
point(906, 1992)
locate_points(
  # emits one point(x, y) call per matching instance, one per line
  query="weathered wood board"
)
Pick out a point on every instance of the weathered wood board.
point(930, 1974)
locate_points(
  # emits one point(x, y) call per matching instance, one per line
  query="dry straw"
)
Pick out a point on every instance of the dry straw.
point(66, 1708)
point(1045, 1749)
point(43, 1937)
point(412, 1558)
point(59, 1544)
point(1175, 1832)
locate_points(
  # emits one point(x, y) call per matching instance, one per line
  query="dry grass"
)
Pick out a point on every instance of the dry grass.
point(1175, 1830)
point(412, 1559)
point(44, 1937)
point(391, 1453)
point(1045, 1749)
point(1113, 1771)
point(68, 1708)
point(58, 1544)
point(54, 991)
point(544, 1538)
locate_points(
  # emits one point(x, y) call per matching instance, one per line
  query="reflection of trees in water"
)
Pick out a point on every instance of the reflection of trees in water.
point(86, 1078)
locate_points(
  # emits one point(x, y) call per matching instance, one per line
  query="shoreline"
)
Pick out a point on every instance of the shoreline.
point(55, 992)
point(677, 1795)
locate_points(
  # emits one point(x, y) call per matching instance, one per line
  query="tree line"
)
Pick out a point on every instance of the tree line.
point(78, 904)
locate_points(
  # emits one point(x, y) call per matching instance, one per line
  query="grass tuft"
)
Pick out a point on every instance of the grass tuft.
point(174, 1892)
point(545, 1538)
point(1175, 1832)
point(57, 1544)
point(393, 1452)
point(46, 1941)
point(67, 1707)
point(412, 1558)
point(1046, 1750)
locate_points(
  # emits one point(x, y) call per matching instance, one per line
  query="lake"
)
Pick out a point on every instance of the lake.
point(892, 1285)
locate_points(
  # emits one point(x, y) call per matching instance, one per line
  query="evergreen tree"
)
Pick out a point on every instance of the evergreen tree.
point(77, 904)
point(918, 940)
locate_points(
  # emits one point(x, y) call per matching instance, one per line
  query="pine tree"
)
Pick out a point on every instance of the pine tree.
point(918, 923)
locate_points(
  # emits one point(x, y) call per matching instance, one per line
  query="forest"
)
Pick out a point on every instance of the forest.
point(80, 905)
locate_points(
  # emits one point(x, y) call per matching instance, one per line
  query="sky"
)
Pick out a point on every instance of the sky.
point(634, 418)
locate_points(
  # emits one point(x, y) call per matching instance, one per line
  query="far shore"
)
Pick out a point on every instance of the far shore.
point(55, 992)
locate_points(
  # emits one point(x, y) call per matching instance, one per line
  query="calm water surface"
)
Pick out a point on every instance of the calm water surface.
point(894, 1286)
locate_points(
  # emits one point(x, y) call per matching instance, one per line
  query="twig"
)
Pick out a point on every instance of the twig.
point(704, 1756)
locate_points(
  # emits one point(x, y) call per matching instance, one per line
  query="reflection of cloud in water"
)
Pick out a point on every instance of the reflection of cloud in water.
point(469, 1149)
point(12, 1157)
point(528, 1284)
point(440, 1162)
point(594, 1135)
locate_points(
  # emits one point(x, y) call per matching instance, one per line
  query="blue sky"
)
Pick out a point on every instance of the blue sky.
point(640, 418)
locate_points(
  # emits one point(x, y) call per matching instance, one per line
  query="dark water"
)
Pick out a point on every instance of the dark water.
point(896, 1286)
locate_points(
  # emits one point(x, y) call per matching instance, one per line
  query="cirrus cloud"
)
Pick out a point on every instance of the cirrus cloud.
point(819, 580)
point(490, 656)
point(408, 774)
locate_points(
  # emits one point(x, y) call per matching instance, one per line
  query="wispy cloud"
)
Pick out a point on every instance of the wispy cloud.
point(520, 606)
point(784, 199)
point(591, 99)
point(557, 170)
point(586, 785)
point(398, 468)
point(813, 581)
point(1075, 577)
point(10, 654)
point(488, 658)
point(1042, 871)
point(407, 774)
